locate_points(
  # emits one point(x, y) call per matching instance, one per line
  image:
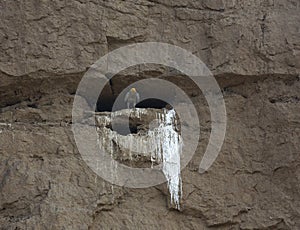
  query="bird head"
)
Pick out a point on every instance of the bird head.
point(133, 90)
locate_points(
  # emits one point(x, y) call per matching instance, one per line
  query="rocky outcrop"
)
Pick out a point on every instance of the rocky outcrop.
point(253, 49)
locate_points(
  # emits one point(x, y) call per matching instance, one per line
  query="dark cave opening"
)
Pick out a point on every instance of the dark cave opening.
point(152, 103)
point(106, 104)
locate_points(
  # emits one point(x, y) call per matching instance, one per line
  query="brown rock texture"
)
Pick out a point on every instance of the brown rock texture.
point(253, 49)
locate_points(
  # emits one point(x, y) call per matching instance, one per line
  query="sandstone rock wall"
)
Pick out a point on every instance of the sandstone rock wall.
point(252, 47)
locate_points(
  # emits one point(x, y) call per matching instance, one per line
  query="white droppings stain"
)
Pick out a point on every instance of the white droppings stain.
point(168, 150)
point(162, 143)
point(5, 124)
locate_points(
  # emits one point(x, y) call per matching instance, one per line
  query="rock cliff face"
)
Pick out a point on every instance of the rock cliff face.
point(253, 49)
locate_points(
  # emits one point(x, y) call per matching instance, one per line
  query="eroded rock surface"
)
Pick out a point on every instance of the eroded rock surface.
point(251, 46)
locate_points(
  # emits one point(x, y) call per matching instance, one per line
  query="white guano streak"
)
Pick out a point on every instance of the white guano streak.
point(169, 146)
point(164, 145)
